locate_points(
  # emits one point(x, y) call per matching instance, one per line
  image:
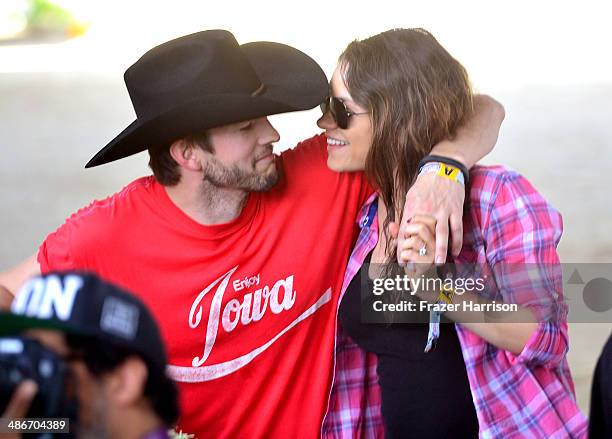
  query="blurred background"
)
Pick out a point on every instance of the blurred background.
point(62, 98)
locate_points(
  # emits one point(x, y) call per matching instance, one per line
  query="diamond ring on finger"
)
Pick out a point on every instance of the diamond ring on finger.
point(423, 250)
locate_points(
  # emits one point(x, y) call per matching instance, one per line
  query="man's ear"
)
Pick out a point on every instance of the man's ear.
point(126, 383)
point(186, 155)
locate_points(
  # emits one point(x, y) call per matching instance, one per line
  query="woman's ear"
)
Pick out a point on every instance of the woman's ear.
point(186, 155)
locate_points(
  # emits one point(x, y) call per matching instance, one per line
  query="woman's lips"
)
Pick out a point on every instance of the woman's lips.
point(331, 148)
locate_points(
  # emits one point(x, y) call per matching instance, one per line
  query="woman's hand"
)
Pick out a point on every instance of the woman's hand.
point(417, 250)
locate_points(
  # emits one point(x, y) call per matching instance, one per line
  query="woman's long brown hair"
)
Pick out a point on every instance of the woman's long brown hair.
point(417, 95)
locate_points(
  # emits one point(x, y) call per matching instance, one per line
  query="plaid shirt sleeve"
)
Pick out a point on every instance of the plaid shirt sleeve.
point(515, 232)
point(547, 346)
point(522, 231)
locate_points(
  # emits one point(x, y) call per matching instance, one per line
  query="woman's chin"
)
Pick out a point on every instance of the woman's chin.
point(334, 164)
point(337, 165)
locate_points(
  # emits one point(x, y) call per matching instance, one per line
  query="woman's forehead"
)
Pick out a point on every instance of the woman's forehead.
point(337, 86)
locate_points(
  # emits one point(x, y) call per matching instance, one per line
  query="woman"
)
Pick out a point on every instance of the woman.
point(393, 96)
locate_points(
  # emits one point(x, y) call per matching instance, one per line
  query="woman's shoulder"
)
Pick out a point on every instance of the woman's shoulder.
point(482, 176)
point(499, 183)
point(503, 199)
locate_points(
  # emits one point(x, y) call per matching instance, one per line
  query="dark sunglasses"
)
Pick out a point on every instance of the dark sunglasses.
point(338, 111)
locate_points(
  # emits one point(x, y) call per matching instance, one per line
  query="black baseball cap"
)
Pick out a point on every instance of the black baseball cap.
point(81, 303)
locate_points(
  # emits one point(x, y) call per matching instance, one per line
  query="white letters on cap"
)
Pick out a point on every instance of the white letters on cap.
point(47, 298)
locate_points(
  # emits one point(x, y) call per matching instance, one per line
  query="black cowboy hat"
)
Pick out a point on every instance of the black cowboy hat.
point(207, 79)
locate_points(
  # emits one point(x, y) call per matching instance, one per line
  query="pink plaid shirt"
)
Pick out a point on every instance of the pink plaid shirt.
point(530, 395)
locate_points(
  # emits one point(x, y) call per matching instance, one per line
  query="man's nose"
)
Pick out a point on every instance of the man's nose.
point(271, 135)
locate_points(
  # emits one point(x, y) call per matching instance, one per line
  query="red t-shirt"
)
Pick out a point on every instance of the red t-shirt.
point(247, 309)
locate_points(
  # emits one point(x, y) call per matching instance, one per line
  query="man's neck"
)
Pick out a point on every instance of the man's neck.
point(208, 204)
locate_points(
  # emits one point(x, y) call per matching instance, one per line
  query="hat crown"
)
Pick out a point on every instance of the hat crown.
point(206, 80)
point(178, 71)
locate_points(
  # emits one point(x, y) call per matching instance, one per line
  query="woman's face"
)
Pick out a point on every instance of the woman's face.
point(346, 149)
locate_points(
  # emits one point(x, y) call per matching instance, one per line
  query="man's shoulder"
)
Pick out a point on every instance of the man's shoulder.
point(305, 166)
point(305, 172)
point(313, 147)
point(96, 228)
point(108, 210)
point(135, 189)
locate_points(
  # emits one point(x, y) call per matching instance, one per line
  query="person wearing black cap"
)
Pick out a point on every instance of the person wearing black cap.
point(113, 349)
point(239, 253)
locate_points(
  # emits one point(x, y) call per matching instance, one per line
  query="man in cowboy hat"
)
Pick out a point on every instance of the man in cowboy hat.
point(238, 253)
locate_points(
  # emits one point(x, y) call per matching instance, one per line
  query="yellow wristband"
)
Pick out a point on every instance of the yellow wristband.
point(443, 170)
point(446, 295)
point(449, 172)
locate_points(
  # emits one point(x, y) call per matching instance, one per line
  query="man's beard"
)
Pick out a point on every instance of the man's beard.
point(233, 177)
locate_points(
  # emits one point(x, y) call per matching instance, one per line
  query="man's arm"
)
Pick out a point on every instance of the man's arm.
point(442, 198)
point(14, 278)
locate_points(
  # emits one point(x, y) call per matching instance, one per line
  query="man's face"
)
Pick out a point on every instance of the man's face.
point(242, 157)
point(89, 390)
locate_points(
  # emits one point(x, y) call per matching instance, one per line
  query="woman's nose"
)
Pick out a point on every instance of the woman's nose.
point(326, 121)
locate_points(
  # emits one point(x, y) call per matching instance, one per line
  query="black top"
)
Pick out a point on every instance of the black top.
point(424, 395)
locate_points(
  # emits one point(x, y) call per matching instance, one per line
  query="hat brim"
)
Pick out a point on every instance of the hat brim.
point(292, 82)
point(13, 324)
